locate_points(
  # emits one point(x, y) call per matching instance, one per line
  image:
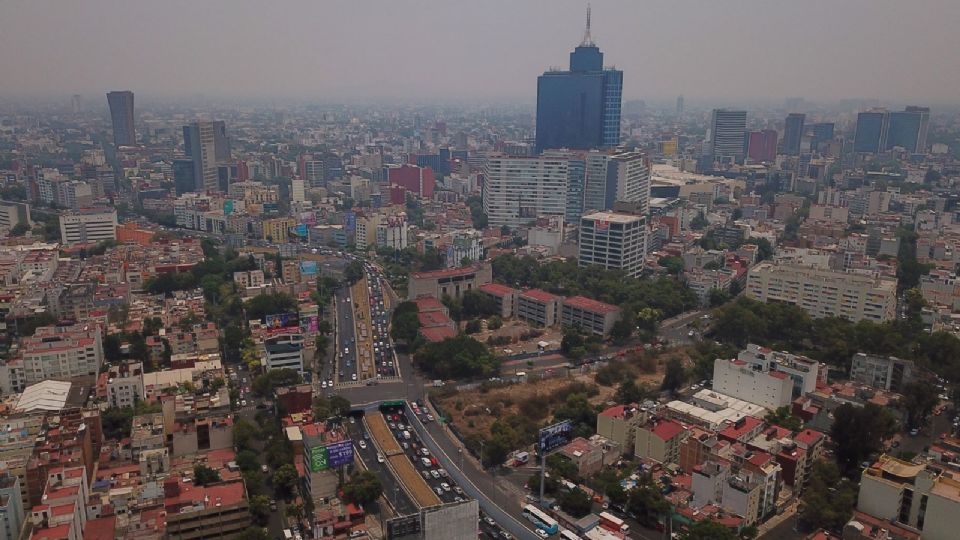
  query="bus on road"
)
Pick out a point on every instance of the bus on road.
point(613, 523)
point(542, 521)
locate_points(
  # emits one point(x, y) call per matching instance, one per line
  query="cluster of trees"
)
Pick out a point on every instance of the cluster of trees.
point(362, 488)
point(204, 476)
point(787, 327)
point(457, 357)
point(264, 384)
point(858, 433)
point(576, 343)
point(470, 305)
point(477, 215)
point(335, 406)
point(262, 305)
point(828, 500)
point(566, 278)
point(118, 421)
point(405, 324)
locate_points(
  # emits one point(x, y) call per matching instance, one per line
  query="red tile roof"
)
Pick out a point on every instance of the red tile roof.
point(734, 433)
point(497, 289)
point(434, 319)
point(539, 295)
point(613, 412)
point(100, 528)
point(778, 374)
point(428, 303)
point(589, 304)
point(808, 437)
point(438, 334)
point(667, 429)
point(231, 493)
point(60, 532)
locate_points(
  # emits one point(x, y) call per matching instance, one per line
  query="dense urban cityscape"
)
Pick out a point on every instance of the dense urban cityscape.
point(593, 318)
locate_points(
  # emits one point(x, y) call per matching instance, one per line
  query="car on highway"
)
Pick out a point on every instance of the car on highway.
point(435, 474)
point(445, 486)
point(489, 520)
point(380, 458)
point(362, 444)
point(243, 403)
point(542, 533)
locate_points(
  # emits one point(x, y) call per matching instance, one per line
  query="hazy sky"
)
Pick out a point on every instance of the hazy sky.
point(894, 50)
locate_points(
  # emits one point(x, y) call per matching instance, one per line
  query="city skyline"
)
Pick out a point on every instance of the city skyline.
point(373, 51)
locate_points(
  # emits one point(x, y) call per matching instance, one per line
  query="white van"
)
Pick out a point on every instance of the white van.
point(426, 462)
point(406, 435)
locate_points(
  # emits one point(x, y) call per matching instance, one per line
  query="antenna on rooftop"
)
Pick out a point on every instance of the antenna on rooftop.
point(587, 40)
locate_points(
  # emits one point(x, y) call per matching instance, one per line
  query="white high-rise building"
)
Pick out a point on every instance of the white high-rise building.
point(516, 190)
point(88, 226)
point(298, 192)
point(613, 240)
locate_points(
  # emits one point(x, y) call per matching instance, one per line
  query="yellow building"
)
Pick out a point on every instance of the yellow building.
point(276, 230)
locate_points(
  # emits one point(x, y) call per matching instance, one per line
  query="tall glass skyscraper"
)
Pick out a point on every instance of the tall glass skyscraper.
point(871, 135)
point(728, 131)
point(121, 114)
point(580, 108)
point(793, 133)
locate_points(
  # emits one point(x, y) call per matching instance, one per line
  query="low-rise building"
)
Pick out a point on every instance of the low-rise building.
point(917, 495)
point(660, 441)
point(619, 424)
point(771, 389)
point(887, 372)
point(197, 512)
point(504, 297)
point(591, 455)
point(588, 314)
point(538, 307)
point(452, 282)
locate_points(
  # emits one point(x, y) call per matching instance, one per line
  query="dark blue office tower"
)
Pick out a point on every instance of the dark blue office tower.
point(580, 108)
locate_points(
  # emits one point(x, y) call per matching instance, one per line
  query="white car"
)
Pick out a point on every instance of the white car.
point(380, 458)
point(445, 486)
point(542, 533)
point(323, 384)
point(353, 377)
point(363, 444)
point(243, 403)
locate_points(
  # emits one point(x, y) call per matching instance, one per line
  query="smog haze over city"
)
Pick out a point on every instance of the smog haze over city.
point(455, 50)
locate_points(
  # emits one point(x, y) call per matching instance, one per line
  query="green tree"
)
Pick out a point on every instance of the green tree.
point(494, 323)
point(473, 327)
point(718, 297)
point(575, 502)
point(647, 503)
point(630, 392)
point(204, 476)
point(918, 401)
point(339, 406)
point(457, 357)
point(363, 488)
point(244, 432)
point(783, 418)
point(19, 229)
point(260, 509)
point(828, 500)
point(248, 460)
point(354, 272)
point(477, 304)
point(674, 377)
point(708, 530)
point(859, 432)
point(674, 265)
point(285, 480)
point(405, 324)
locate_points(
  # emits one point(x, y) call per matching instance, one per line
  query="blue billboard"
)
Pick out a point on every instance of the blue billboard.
point(554, 436)
point(350, 221)
point(340, 453)
point(308, 268)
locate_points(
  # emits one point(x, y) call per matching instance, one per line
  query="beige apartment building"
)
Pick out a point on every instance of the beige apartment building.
point(823, 293)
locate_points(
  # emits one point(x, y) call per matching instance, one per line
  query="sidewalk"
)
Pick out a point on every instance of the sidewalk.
point(788, 513)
